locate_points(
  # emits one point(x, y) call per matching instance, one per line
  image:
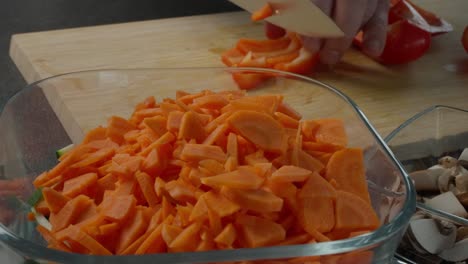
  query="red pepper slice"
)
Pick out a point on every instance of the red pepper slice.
point(264, 12)
point(268, 45)
point(232, 57)
point(303, 64)
point(465, 39)
point(248, 81)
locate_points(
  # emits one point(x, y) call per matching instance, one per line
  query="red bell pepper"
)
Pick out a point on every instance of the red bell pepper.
point(465, 39)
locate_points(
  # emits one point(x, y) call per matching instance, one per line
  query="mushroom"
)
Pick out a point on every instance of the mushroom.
point(448, 162)
point(449, 203)
point(462, 233)
point(463, 199)
point(461, 181)
point(458, 252)
point(444, 180)
point(427, 234)
point(427, 180)
point(463, 159)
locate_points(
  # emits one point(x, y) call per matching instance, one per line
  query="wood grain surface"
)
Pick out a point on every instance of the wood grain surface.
point(387, 95)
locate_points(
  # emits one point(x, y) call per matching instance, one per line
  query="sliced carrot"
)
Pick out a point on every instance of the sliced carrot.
point(174, 121)
point(291, 174)
point(295, 240)
point(130, 232)
point(170, 232)
point(354, 214)
point(346, 167)
point(262, 13)
point(255, 200)
point(196, 152)
point(323, 157)
point(219, 204)
point(187, 239)
point(69, 212)
point(242, 178)
point(215, 135)
point(308, 162)
point(200, 210)
point(181, 191)
point(286, 109)
point(105, 183)
point(331, 131)
point(168, 137)
point(149, 102)
point(79, 185)
point(86, 241)
point(55, 200)
point(259, 232)
point(255, 158)
point(118, 208)
point(94, 158)
point(108, 229)
point(260, 129)
point(323, 147)
point(98, 133)
point(286, 120)
point(287, 191)
point(212, 101)
point(148, 112)
point(157, 124)
point(157, 159)
point(191, 127)
point(213, 166)
point(50, 238)
point(227, 236)
point(117, 127)
point(146, 183)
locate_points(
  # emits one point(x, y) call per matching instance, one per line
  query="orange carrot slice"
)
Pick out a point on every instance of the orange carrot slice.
point(291, 174)
point(259, 232)
point(55, 200)
point(255, 200)
point(196, 152)
point(259, 128)
point(69, 212)
point(242, 178)
point(331, 131)
point(346, 167)
point(79, 185)
point(354, 214)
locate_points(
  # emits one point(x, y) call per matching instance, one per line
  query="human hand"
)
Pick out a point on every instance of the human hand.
point(351, 16)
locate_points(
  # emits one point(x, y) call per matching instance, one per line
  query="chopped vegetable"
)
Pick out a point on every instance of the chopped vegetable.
point(464, 39)
point(205, 171)
point(64, 150)
point(285, 53)
point(264, 12)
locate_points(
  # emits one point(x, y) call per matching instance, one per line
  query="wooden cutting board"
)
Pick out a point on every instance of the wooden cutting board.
point(387, 95)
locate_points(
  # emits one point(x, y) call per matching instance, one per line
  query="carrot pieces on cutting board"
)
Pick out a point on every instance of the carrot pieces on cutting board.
point(207, 171)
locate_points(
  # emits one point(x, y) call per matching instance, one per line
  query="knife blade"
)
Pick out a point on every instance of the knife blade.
point(300, 16)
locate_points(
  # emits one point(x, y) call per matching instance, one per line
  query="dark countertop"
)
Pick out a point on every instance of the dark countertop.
point(21, 16)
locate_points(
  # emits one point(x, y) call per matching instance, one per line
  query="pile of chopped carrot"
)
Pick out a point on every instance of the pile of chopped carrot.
point(206, 171)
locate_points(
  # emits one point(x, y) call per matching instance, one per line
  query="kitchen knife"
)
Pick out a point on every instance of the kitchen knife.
point(300, 16)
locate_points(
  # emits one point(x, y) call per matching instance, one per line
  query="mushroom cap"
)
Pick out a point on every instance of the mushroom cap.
point(449, 203)
point(427, 233)
point(458, 252)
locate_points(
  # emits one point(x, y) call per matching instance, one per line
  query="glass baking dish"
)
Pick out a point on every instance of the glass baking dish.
point(419, 143)
point(53, 113)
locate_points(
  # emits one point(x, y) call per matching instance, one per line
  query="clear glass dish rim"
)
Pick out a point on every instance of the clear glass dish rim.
point(39, 252)
point(408, 122)
point(419, 115)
